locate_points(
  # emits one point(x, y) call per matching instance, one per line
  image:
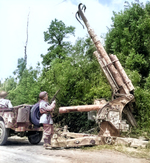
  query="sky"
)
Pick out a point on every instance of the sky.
point(13, 20)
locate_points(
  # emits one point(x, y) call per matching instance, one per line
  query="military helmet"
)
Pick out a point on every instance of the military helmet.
point(42, 94)
point(3, 94)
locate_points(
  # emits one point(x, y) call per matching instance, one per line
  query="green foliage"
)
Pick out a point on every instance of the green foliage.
point(135, 61)
point(147, 83)
point(57, 31)
point(80, 81)
point(58, 52)
point(129, 36)
point(55, 36)
point(27, 90)
point(77, 122)
point(9, 84)
point(20, 68)
point(142, 97)
point(83, 47)
point(134, 76)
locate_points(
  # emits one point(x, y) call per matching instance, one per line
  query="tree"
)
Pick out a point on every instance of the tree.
point(129, 37)
point(9, 84)
point(83, 47)
point(80, 80)
point(27, 89)
point(20, 68)
point(55, 36)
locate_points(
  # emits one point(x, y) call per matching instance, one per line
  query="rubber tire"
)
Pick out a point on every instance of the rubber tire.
point(35, 137)
point(35, 115)
point(4, 133)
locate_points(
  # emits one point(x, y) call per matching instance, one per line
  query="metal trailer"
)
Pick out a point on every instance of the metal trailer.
point(22, 120)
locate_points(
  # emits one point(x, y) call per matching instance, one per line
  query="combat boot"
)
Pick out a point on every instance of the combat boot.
point(46, 144)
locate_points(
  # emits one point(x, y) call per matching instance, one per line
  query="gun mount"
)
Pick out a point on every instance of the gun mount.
point(109, 115)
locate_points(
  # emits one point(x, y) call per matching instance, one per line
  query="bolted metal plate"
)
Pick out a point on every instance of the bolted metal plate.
point(108, 126)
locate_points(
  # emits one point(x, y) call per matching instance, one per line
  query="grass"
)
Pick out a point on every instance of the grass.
point(133, 152)
point(130, 151)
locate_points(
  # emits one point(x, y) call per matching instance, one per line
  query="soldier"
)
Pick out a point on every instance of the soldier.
point(46, 119)
point(4, 103)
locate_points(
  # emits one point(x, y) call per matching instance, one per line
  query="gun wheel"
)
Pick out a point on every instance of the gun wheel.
point(108, 140)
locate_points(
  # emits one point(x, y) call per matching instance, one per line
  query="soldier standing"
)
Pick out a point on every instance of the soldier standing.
point(4, 103)
point(46, 119)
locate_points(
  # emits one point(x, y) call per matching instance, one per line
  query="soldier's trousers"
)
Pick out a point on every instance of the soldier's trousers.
point(48, 132)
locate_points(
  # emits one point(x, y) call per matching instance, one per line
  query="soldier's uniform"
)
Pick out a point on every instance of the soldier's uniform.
point(47, 121)
point(4, 103)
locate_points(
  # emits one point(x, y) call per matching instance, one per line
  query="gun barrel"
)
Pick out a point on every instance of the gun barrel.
point(122, 72)
point(81, 108)
point(104, 56)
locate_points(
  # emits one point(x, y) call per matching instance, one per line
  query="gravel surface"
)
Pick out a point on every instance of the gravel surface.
point(20, 151)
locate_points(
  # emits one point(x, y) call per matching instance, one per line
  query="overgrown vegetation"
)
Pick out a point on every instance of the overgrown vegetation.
point(73, 68)
point(132, 152)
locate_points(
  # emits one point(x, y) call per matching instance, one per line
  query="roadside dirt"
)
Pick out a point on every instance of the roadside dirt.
point(19, 150)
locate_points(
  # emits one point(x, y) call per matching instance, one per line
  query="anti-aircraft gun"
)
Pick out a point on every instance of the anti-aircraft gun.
point(109, 114)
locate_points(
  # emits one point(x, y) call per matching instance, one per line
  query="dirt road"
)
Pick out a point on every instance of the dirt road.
point(19, 150)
